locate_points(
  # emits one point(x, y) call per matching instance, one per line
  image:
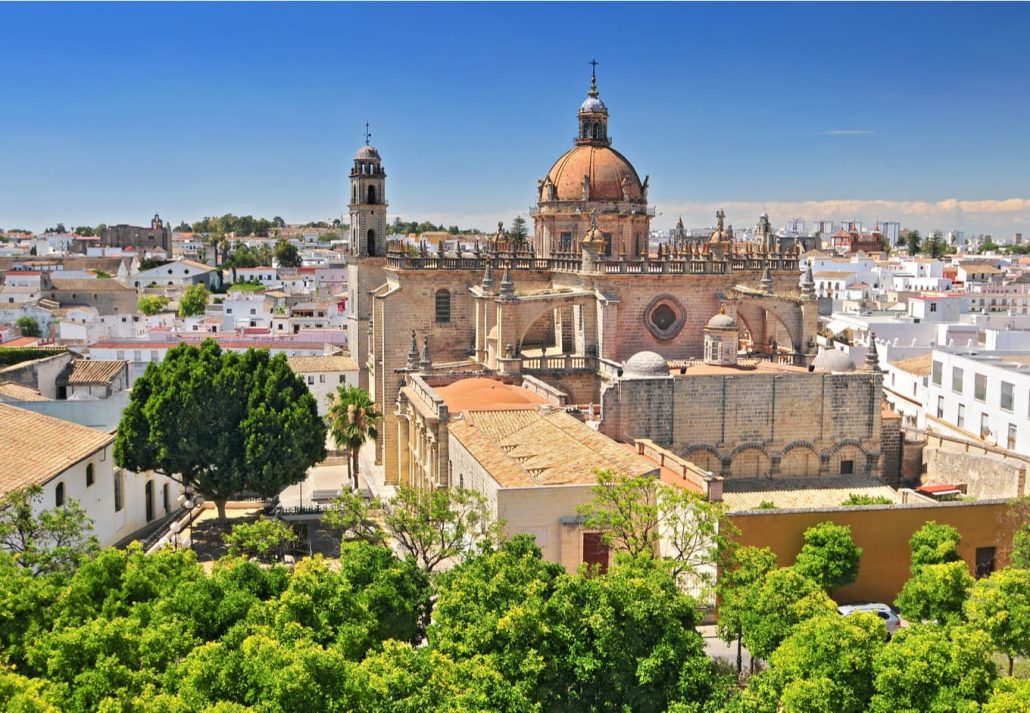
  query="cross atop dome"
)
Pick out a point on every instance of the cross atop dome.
point(593, 115)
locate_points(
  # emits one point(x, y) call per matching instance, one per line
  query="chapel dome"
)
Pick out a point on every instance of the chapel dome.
point(606, 168)
point(645, 364)
point(593, 105)
point(367, 153)
point(833, 360)
point(722, 321)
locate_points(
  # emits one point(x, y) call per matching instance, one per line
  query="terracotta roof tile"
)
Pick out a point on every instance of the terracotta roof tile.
point(34, 448)
point(305, 364)
point(816, 492)
point(19, 392)
point(93, 371)
point(523, 448)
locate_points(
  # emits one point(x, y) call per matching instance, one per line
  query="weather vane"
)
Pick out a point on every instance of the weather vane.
point(368, 135)
point(593, 68)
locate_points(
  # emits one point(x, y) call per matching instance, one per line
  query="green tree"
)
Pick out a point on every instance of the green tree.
point(934, 543)
point(265, 539)
point(352, 420)
point(193, 301)
point(988, 246)
point(223, 422)
point(932, 668)
point(738, 587)
point(1010, 695)
point(912, 242)
point(784, 599)
point(286, 253)
point(936, 592)
point(83, 230)
point(151, 304)
point(57, 539)
point(829, 555)
point(1000, 606)
point(1020, 555)
point(518, 231)
point(826, 661)
point(934, 246)
point(635, 514)
point(28, 326)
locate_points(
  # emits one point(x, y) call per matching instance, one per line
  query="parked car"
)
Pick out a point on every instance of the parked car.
point(890, 619)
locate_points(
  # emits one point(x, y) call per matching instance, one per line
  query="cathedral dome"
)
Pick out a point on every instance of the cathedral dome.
point(833, 360)
point(645, 364)
point(367, 153)
point(608, 170)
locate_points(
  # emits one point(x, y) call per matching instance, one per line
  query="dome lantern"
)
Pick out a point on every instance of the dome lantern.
point(593, 116)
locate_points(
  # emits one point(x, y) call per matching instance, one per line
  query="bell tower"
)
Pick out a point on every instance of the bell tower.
point(367, 202)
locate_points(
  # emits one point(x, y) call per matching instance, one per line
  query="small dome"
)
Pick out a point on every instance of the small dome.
point(722, 321)
point(367, 153)
point(833, 360)
point(593, 105)
point(644, 364)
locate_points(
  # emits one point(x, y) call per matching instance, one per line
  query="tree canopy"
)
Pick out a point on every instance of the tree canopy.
point(28, 326)
point(286, 253)
point(151, 304)
point(193, 301)
point(829, 555)
point(224, 422)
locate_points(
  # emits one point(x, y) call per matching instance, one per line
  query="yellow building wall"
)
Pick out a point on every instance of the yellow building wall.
point(883, 534)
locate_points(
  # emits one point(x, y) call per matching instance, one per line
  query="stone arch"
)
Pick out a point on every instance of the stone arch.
point(750, 461)
point(535, 335)
point(371, 194)
point(844, 452)
point(778, 318)
point(799, 459)
point(706, 457)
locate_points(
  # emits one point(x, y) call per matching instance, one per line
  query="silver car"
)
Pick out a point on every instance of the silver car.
point(891, 620)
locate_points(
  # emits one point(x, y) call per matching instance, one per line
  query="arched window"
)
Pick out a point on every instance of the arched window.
point(597, 130)
point(372, 194)
point(59, 495)
point(148, 494)
point(354, 194)
point(371, 244)
point(443, 307)
point(89, 475)
point(586, 129)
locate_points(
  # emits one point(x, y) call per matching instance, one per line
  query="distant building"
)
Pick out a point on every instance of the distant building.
point(891, 230)
point(157, 236)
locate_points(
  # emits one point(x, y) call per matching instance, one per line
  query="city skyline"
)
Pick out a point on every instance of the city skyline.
point(818, 112)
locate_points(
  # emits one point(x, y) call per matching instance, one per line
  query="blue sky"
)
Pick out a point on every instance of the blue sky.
point(917, 112)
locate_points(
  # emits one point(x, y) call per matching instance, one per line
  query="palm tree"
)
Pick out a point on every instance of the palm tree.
point(352, 420)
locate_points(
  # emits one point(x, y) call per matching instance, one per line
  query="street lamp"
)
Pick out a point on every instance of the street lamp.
point(175, 527)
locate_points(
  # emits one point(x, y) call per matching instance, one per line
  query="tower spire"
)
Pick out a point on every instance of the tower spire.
point(593, 77)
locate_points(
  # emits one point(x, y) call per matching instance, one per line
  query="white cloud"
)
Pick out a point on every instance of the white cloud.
point(996, 216)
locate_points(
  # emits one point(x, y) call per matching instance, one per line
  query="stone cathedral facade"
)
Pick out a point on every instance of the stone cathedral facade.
point(583, 302)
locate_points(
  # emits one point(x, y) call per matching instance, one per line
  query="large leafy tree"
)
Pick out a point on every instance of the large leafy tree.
point(151, 304)
point(642, 516)
point(286, 253)
point(829, 555)
point(1020, 556)
point(936, 592)
point(193, 301)
point(1000, 606)
point(352, 420)
point(223, 422)
point(934, 543)
point(431, 527)
point(784, 599)
point(826, 661)
point(738, 585)
point(56, 539)
point(933, 668)
point(28, 326)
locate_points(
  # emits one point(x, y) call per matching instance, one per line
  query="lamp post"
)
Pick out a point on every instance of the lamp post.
point(175, 527)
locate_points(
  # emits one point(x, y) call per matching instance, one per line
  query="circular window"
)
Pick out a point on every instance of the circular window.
point(663, 317)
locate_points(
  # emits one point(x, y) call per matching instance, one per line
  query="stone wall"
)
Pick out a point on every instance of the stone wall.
point(985, 475)
point(890, 449)
point(754, 424)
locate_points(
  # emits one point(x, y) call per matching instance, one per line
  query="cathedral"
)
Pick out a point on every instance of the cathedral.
point(587, 313)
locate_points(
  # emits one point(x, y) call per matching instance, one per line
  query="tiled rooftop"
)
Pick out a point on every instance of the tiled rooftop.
point(93, 371)
point(749, 493)
point(920, 365)
point(11, 390)
point(35, 448)
point(524, 448)
point(305, 364)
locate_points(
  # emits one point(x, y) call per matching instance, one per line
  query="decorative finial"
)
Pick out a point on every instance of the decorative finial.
point(593, 77)
point(368, 134)
point(872, 357)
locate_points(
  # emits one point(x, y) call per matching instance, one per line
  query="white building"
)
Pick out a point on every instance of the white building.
point(69, 461)
point(981, 396)
point(324, 374)
point(175, 275)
